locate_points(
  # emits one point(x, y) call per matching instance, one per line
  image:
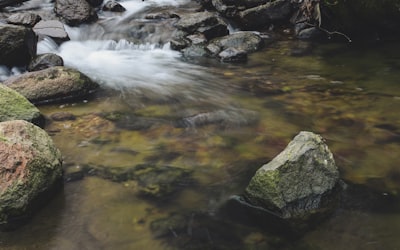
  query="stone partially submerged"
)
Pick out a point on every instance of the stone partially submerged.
point(300, 182)
point(30, 171)
point(52, 84)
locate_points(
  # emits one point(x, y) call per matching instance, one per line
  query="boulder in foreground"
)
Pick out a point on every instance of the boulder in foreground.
point(300, 182)
point(30, 171)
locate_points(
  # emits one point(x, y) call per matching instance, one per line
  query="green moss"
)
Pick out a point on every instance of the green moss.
point(14, 106)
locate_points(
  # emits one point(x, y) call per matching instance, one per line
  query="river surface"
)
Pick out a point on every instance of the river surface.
point(220, 122)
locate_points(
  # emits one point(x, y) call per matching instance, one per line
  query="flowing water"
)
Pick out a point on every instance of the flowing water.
point(220, 122)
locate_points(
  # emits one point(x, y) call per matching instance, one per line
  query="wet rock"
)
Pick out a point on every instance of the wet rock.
point(222, 118)
point(206, 23)
point(63, 116)
point(14, 106)
point(233, 55)
point(27, 19)
point(51, 28)
point(130, 121)
point(191, 22)
point(194, 51)
point(173, 225)
point(17, 45)
point(113, 6)
point(310, 33)
point(265, 15)
point(52, 84)
point(30, 171)
point(75, 12)
point(161, 181)
point(227, 8)
point(299, 183)
point(242, 41)
point(45, 61)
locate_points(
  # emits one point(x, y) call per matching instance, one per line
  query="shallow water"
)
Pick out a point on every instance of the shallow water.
point(145, 114)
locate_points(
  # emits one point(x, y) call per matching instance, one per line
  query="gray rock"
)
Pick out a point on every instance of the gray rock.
point(191, 22)
point(14, 106)
point(17, 45)
point(30, 171)
point(27, 19)
point(227, 8)
point(51, 28)
point(113, 6)
point(243, 41)
point(75, 12)
point(266, 14)
point(44, 61)
point(52, 84)
point(233, 55)
point(297, 183)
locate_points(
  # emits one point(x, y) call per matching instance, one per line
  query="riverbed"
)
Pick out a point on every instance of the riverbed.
point(145, 114)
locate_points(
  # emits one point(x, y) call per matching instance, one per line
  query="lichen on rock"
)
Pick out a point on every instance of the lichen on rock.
point(30, 171)
point(299, 181)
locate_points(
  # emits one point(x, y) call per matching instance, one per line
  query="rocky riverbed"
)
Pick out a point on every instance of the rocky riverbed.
point(155, 141)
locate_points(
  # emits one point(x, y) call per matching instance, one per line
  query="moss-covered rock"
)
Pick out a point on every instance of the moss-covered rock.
point(297, 183)
point(52, 84)
point(14, 106)
point(30, 171)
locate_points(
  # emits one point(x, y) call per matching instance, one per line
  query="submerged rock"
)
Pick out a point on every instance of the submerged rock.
point(30, 171)
point(14, 106)
point(52, 84)
point(162, 181)
point(299, 183)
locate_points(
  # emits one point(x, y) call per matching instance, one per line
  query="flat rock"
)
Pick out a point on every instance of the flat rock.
point(52, 84)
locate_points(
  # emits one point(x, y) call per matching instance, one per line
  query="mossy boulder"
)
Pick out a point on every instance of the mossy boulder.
point(30, 171)
point(52, 84)
point(14, 106)
point(298, 183)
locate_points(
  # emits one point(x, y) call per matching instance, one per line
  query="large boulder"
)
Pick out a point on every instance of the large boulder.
point(52, 84)
point(30, 171)
point(298, 183)
point(75, 12)
point(17, 45)
point(14, 106)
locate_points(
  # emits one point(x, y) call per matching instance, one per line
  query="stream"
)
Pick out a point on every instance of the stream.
point(220, 122)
